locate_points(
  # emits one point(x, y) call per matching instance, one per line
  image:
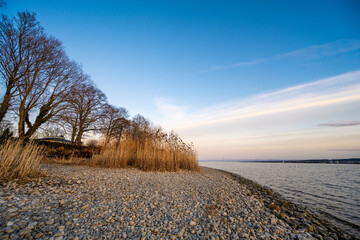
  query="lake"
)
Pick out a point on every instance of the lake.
point(333, 190)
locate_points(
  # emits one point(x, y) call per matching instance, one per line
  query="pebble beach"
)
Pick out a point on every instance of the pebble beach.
point(81, 202)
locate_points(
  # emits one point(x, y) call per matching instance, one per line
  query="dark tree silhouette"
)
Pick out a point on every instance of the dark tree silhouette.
point(84, 109)
point(18, 40)
point(113, 122)
point(36, 72)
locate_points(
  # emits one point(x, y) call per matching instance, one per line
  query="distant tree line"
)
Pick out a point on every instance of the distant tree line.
point(44, 92)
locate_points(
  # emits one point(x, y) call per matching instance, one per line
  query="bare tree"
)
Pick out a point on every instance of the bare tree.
point(122, 127)
point(83, 111)
point(46, 87)
point(35, 71)
point(6, 131)
point(92, 143)
point(113, 122)
point(52, 130)
point(18, 42)
point(140, 127)
point(5, 126)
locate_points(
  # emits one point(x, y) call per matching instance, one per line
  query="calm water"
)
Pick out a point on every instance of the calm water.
point(330, 189)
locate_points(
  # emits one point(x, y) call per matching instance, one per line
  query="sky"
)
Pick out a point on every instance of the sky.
point(240, 79)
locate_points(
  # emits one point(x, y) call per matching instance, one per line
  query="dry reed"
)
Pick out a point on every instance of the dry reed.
point(19, 161)
point(149, 154)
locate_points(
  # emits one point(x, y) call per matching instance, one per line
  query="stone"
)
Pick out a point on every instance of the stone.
point(85, 206)
point(9, 230)
point(25, 232)
point(273, 221)
point(50, 222)
point(32, 224)
point(60, 233)
point(39, 235)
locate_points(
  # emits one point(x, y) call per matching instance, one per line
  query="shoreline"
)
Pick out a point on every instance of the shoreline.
point(77, 202)
point(291, 212)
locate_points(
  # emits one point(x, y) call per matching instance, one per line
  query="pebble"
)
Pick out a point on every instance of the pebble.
point(25, 232)
point(80, 202)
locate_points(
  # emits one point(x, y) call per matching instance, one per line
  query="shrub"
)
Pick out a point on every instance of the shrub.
point(19, 160)
point(68, 151)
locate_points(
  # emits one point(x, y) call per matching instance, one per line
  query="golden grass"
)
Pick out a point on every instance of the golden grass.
point(66, 161)
point(148, 154)
point(19, 161)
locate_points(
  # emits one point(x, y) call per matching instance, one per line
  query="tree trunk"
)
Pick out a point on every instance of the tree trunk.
point(6, 101)
point(79, 136)
point(73, 134)
point(40, 119)
point(21, 125)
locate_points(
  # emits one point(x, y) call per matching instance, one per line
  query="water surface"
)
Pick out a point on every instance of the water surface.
point(332, 190)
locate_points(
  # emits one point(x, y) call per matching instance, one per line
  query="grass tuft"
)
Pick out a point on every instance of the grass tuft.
point(19, 161)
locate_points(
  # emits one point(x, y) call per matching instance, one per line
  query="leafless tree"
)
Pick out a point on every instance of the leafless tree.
point(6, 131)
point(4, 125)
point(113, 122)
point(92, 143)
point(18, 42)
point(36, 72)
point(46, 87)
point(140, 127)
point(52, 130)
point(83, 111)
point(122, 127)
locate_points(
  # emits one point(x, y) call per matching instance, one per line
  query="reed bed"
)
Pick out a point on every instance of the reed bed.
point(19, 161)
point(149, 154)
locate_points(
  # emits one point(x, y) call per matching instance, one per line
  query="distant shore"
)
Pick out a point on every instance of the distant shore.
point(328, 161)
point(80, 202)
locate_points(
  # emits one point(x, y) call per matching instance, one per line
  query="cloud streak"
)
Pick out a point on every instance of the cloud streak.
point(340, 124)
point(239, 64)
point(308, 53)
point(330, 91)
point(171, 112)
point(345, 150)
point(324, 50)
point(283, 122)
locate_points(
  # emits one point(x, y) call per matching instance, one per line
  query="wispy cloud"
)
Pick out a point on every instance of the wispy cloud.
point(345, 150)
point(328, 49)
point(280, 121)
point(340, 124)
point(325, 92)
point(307, 53)
point(239, 64)
point(171, 112)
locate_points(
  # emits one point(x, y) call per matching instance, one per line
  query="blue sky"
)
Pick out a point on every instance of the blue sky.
point(204, 68)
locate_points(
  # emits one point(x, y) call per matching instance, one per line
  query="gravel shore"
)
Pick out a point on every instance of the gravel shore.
point(79, 202)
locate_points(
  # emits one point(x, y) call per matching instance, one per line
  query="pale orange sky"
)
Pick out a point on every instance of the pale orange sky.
point(320, 119)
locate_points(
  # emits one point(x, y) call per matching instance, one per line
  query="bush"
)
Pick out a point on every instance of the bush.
point(66, 151)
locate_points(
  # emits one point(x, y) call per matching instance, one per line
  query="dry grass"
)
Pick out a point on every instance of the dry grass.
point(149, 154)
point(66, 161)
point(19, 161)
